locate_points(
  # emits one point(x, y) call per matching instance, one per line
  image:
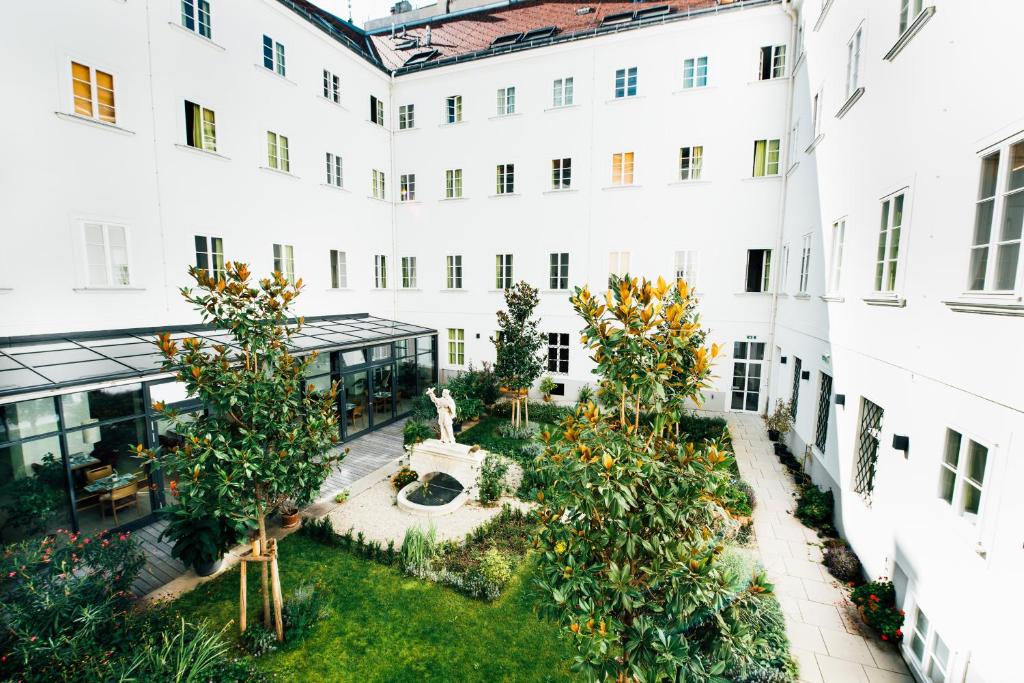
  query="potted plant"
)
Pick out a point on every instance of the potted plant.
point(779, 421)
point(289, 515)
point(199, 540)
point(547, 385)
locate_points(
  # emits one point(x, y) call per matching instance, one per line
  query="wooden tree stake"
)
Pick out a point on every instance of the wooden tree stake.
point(275, 584)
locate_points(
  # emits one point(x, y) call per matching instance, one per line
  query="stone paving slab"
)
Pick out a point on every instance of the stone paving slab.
point(827, 638)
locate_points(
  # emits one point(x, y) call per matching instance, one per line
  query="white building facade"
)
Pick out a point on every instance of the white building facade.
point(838, 180)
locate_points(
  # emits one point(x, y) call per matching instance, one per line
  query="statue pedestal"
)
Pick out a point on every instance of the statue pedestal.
point(454, 459)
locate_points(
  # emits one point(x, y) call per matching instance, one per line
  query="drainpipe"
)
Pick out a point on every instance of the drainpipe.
point(396, 265)
point(787, 7)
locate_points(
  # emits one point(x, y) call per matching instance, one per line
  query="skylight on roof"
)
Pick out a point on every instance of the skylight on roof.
point(507, 39)
point(406, 43)
point(421, 57)
point(620, 18)
point(535, 34)
point(657, 11)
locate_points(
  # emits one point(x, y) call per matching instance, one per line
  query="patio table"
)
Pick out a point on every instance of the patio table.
point(79, 460)
point(114, 481)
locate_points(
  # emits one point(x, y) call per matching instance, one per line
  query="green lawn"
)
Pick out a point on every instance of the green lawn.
point(385, 626)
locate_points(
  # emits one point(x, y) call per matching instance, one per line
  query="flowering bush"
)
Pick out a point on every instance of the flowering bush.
point(876, 601)
point(65, 605)
point(403, 478)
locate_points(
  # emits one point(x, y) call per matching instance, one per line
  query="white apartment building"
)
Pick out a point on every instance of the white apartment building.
point(838, 179)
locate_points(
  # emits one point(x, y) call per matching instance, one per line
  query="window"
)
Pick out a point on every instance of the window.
point(824, 405)
point(625, 82)
point(200, 127)
point(686, 267)
point(339, 269)
point(407, 186)
point(377, 184)
point(746, 375)
point(558, 352)
point(618, 263)
point(759, 269)
point(506, 179)
point(277, 152)
point(869, 434)
point(836, 262)
point(691, 159)
point(562, 95)
point(332, 87)
point(406, 116)
point(773, 62)
point(456, 346)
point(93, 93)
point(805, 263)
point(930, 652)
point(816, 105)
point(1005, 210)
point(454, 108)
point(784, 272)
point(962, 475)
point(106, 255)
point(695, 72)
point(503, 271)
point(558, 276)
point(622, 168)
point(561, 174)
point(888, 254)
point(909, 10)
point(284, 261)
point(409, 272)
point(453, 183)
point(766, 158)
point(454, 270)
point(210, 255)
point(376, 111)
point(791, 145)
point(273, 55)
point(334, 176)
point(195, 16)
point(380, 271)
point(794, 398)
point(506, 101)
point(853, 63)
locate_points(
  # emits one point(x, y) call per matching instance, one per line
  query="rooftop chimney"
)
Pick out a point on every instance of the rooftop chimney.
point(426, 36)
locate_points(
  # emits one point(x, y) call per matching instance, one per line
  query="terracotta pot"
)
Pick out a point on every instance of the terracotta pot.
point(290, 519)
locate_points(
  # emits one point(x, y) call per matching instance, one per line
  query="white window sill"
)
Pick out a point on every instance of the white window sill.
point(852, 100)
point(340, 289)
point(453, 290)
point(328, 100)
point(510, 115)
point(987, 304)
point(567, 190)
point(824, 11)
point(912, 30)
point(555, 291)
point(277, 171)
point(814, 143)
point(197, 36)
point(449, 124)
point(503, 195)
point(563, 106)
point(108, 289)
point(695, 181)
point(624, 186)
point(112, 127)
point(452, 199)
point(761, 178)
point(409, 289)
point(338, 188)
point(377, 199)
point(833, 298)
point(408, 129)
point(202, 152)
point(627, 98)
point(802, 296)
point(762, 81)
point(696, 88)
point(6, 290)
point(409, 201)
point(375, 124)
point(883, 299)
point(273, 73)
point(752, 294)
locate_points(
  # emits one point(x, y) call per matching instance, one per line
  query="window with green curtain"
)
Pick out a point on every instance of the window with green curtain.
point(760, 147)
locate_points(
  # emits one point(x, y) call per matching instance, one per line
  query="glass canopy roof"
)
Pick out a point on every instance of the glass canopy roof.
point(55, 361)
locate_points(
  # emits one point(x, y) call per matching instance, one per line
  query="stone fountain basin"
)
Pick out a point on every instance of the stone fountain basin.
point(435, 495)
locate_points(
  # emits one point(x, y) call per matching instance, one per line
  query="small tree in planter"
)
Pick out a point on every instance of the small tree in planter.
point(263, 439)
point(780, 421)
point(518, 346)
point(546, 386)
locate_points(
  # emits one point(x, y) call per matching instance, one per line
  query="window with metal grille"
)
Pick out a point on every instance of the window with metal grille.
point(558, 352)
point(795, 398)
point(824, 402)
point(867, 448)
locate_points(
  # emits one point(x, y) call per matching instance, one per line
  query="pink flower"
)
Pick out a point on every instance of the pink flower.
point(85, 541)
point(11, 575)
point(123, 537)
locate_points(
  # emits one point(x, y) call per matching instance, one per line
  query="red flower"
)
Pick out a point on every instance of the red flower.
point(885, 637)
point(899, 633)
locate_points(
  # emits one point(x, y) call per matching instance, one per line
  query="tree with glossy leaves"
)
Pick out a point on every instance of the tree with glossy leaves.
point(265, 437)
point(631, 517)
point(518, 344)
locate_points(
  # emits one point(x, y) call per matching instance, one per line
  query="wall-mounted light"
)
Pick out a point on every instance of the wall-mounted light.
point(840, 399)
point(900, 442)
point(783, 361)
point(806, 374)
point(826, 359)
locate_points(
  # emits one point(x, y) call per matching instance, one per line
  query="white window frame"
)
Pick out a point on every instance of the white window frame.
point(777, 66)
point(506, 101)
point(335, 170)
point(407, 187)
point(453, 109)
point(770, 167)
point(686, 267)
point(213, 252)
point(505, 179)
point(765, 276)
point(339, 269)
point(623, 168)
point(376, 111)
point(618, 263)
point(503, 271)
point(380, 271)
point(929, 637)
point(406, 116)
point(408, 272)
point(817, 105)
point(94, 92)
point(453, 271)
point(562, 92)
point(284, 261)
point(853, 61)
point(278, 156)
point(456, 346)
point(198, 13)
point(561, 173)
point(116, 275)
point(746, 357)
point(805, 263)
point(626, 80)
point(332, 87)
point(691, 162)
point(453, 183)
point(835, 265)
point(558, 271)
point(995, 243)
point(695, 72)
point(784, 267)
point(885, 280)
point(276, 57)
point(377, 187)
point(208, 129)
point(909, 11)
point(958, 473)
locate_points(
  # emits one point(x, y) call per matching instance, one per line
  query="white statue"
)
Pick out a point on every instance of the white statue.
point(445, 414)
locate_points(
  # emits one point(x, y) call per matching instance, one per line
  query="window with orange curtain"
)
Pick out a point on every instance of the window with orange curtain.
point(93, 93)
point(622, 168)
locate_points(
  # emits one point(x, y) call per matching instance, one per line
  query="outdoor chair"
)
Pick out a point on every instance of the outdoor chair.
point(119, 499)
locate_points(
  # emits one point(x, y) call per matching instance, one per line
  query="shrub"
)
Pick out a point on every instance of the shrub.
point(480, 384)
point(403, 478)
point(191, 652)
point(876, 601)
point(342, 496)
point(815, 507)
point(744, 486)
point(258, 640)
point(842, 562)
point(419, 548)
point(780, 419)
point(467, 409)
point(491, 481)
point(303, 610)
point(551, 413)
point(416, 430)
point(31, 502)
point(495, 567)
point(585, 394)
point(512, 431)
point(736, 499)
point(698, 428)
point(546, 386)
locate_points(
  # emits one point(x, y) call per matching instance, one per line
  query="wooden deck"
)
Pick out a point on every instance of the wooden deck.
point(367, 453)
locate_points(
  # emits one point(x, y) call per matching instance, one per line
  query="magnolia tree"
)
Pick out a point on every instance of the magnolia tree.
point(631, 520)
point(263, 440)
point(518, 345)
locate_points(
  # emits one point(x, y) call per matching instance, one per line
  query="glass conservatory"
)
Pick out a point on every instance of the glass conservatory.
point(73, 407)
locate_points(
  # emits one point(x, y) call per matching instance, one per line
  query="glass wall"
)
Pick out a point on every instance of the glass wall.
point(357, 403)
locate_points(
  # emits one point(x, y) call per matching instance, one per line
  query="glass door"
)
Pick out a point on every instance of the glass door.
point(357, 403)
point(383, 394)
point(746, 375)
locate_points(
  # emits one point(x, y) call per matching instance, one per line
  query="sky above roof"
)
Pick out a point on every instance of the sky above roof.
point(363, 10)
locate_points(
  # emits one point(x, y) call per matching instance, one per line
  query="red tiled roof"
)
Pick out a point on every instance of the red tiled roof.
point(464, 34)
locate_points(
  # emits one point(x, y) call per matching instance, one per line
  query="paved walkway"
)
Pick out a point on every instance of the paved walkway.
point(826, 634)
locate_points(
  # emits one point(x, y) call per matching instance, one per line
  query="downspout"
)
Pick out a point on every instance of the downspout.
point(787, 7)
point(156, 164)
point(396, 272)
